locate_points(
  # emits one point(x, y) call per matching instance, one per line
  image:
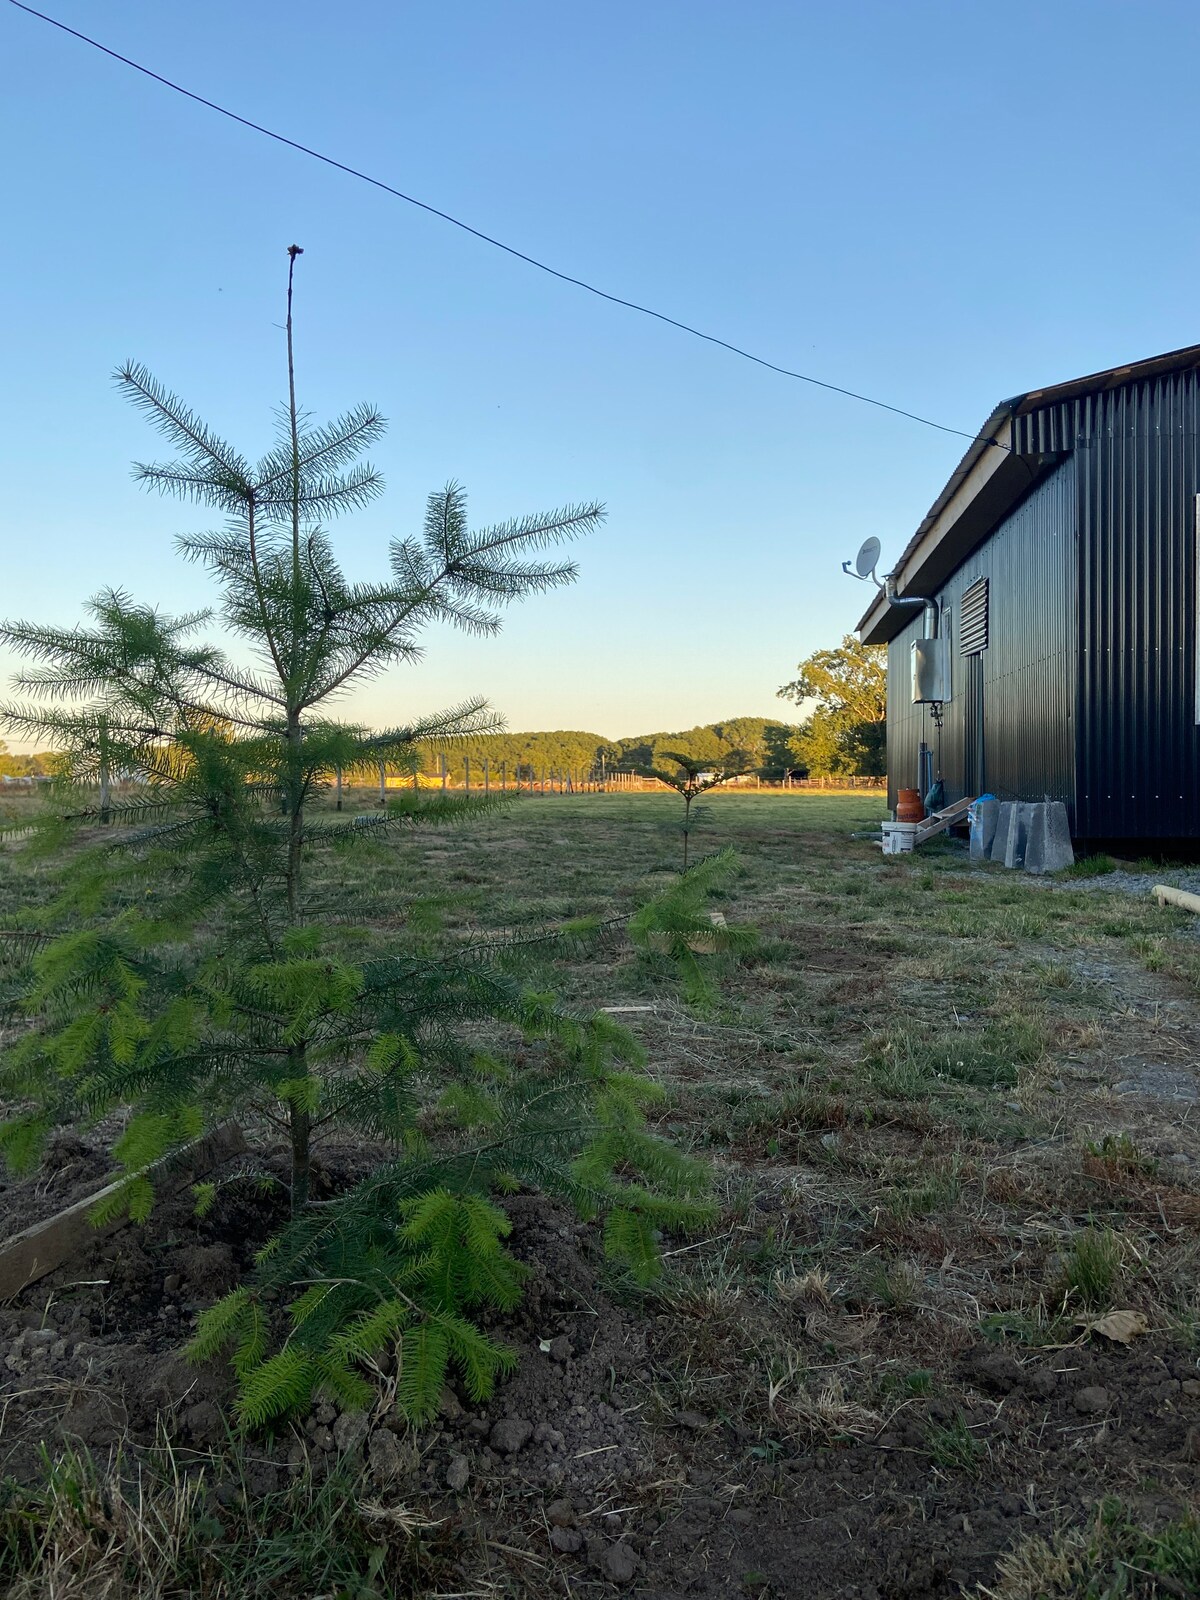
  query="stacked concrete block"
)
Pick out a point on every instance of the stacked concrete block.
point(1033, 836)
point(1008, 846)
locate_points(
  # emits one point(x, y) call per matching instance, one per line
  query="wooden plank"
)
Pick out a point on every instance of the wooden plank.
point(940, 821)
point(30, 1255)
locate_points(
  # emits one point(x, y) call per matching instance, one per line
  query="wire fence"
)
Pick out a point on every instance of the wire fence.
point(501, 777)
point(483, 776)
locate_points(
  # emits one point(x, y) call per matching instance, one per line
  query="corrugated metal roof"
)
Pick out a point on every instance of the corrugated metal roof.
point(876, 623)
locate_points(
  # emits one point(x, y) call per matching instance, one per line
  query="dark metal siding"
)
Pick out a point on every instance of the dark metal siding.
point(1028, 667)
point(1138, 757)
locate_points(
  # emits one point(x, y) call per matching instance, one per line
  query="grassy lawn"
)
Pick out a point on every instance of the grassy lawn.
point(954, 1115)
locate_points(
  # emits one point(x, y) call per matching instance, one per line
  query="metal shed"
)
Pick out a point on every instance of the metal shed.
point(1062, 556)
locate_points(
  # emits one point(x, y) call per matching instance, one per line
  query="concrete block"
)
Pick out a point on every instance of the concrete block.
point(1008, 847)
point(1025, 814)
point(1003, 814)
point(1035, 840)
point(1048, 845)
point(983, 831)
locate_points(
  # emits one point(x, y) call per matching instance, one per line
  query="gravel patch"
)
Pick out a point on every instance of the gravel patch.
point(1136, 883)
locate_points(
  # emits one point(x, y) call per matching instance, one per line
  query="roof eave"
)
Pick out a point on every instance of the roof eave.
point(981, 460)
point(986, 484)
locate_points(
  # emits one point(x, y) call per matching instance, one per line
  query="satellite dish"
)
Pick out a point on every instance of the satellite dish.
point(867, 558)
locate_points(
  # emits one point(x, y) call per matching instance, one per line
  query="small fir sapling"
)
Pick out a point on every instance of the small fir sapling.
point(191, 969)
point(691, 778)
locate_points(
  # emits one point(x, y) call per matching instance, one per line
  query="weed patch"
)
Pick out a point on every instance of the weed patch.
point(1111, 1559)
point(1092, 1268)
point(909, 1061)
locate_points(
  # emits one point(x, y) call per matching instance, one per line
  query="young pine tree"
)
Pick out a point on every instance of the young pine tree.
point(691, 777)
point(195, 970)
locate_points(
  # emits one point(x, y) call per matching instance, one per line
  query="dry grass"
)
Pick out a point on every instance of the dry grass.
point(1109, 1559)
point(154, 1528)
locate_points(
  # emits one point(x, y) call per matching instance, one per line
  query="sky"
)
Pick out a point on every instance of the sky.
point(939, 204)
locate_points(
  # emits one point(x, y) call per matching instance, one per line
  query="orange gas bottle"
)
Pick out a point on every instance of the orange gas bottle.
point(909, 807)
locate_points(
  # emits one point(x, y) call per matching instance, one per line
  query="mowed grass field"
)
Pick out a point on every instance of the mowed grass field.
point(954, 1119)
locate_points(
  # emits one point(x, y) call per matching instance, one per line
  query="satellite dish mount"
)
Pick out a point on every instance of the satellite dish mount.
point(865, 562)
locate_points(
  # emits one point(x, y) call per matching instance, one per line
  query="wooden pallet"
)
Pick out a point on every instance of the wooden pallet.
point(938, 821)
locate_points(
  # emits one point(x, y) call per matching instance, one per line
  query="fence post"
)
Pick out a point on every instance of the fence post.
point(467, 773)
point(487, 775)
point(442, 764)
point(337, 777)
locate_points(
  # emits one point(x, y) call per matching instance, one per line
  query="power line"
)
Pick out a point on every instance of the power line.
point(487, 238)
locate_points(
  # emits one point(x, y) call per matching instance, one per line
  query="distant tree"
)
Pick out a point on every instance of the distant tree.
point(761, 739)
point(846, 733)
point(747, 734)
point(42, 763)
point(783, 753)
point(558, 750)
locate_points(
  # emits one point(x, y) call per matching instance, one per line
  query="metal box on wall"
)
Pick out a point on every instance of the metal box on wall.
point(930, 671)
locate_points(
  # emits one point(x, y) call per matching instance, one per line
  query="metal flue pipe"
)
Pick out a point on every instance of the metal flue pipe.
point(931, 606)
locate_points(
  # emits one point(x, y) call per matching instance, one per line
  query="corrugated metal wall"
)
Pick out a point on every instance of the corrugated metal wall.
point(1136, 457)
point(1028, 667)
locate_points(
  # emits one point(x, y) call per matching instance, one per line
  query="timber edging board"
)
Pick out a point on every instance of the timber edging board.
point(30, 1255)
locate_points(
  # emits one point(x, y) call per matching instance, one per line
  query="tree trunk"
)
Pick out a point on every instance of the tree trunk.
point(105, 774)
point(300, 1127)
point(298, 1117)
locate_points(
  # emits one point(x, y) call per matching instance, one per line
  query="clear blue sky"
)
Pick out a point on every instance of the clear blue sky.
point(940, 204)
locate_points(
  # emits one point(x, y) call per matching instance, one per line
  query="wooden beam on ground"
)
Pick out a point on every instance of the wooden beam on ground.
point(1167, 896)
point(30, 1255)
point(940, 821)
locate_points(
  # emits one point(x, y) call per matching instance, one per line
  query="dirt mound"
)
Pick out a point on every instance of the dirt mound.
point(579, 1464)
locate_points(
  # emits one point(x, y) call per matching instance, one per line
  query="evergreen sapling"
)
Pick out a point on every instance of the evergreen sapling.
point(691, 777)
point(192, 969)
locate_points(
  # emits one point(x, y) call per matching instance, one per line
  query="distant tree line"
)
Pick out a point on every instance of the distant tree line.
point(843, 690)
point(768, 744)
point(42, 764)
point(844, 734)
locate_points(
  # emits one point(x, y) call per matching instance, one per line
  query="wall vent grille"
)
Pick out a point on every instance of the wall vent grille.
point(973, 621)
